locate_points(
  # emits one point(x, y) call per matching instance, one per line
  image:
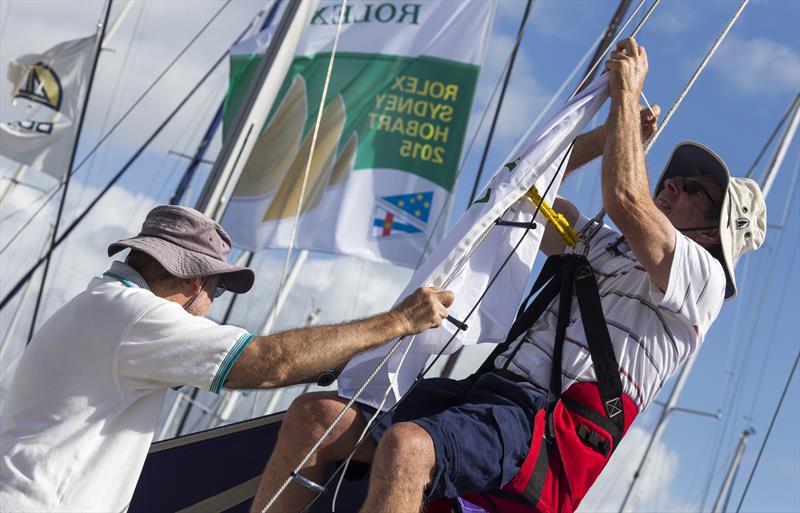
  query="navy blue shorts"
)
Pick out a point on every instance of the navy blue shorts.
point(481, 429)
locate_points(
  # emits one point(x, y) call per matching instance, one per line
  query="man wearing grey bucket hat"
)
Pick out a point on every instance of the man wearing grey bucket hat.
point(86, 397)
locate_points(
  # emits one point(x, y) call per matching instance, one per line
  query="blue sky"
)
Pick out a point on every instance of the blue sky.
point(733, 108)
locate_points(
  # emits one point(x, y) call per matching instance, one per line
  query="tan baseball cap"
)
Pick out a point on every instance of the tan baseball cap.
point(743, 213)
point(188, 244)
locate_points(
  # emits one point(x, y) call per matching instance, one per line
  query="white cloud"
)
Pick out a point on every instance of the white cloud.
point(674, 17)
point(652, 492)
point(758, 65)
point(524, 97)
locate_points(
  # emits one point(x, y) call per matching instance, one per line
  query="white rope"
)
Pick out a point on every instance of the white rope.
point(293, 232)
point(593, 226)
point(696, 74)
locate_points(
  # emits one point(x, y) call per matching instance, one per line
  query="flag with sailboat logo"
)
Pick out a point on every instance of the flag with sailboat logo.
point(391, 135)
point(47, 95)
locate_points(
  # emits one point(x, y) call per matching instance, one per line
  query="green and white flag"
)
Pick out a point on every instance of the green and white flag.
point(391, 137)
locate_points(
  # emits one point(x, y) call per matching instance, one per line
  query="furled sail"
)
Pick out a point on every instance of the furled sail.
point(473, 253)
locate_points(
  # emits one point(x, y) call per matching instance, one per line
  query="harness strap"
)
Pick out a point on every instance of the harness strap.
point(601, 350)
point(527, 315)
point(565, 275)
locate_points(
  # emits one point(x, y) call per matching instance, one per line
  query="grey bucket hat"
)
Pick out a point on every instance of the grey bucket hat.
point(743, 213)
point(188, 244)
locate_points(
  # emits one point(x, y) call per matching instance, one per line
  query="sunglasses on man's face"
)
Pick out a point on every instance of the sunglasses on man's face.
point(693, 186)
point(219, 290)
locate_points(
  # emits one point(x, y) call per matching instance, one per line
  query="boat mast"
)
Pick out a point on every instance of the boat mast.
point(252, 115)
point(101, 29)
point(724, 492)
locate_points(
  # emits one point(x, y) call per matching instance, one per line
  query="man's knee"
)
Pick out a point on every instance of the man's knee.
point(409, 449)
point(310, 414)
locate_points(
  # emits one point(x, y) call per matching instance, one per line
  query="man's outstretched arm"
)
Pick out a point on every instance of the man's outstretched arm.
point(626, 193)
point(300, 355)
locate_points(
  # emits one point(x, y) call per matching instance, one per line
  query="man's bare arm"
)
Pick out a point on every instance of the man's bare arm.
point(300, 355)
point(588, 146)
point(626, 195)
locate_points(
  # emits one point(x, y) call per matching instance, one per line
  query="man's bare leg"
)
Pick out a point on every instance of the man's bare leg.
point(307, 418)
point(401, 469)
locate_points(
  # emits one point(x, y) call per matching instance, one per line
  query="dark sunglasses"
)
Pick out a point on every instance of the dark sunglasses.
point(219, 290)
point(693, 186)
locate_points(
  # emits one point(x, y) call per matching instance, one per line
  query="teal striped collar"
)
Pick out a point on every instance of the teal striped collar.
point(127, 275)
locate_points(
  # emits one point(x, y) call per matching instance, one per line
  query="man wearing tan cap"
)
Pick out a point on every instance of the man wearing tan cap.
point(86, 396)
point(661, 284)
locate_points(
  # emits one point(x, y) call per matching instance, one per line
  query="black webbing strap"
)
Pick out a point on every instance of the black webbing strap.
point(563, 275)
point(605, 364)
point(528, 315)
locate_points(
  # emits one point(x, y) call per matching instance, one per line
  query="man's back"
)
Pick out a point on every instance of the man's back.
point(87, 393)
point(66, 389)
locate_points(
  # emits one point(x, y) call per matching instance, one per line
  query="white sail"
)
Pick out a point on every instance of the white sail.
point(474, 251)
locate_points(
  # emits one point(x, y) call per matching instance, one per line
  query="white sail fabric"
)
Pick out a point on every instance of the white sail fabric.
point(474, 251)
point(48, 90)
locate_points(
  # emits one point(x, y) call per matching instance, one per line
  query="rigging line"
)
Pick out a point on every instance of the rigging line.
point(4, 32)
point(26, 207)
point(636, 30)
point(18, 286)
point(115, 93)
point(771, 137)
point(100, 34)
point(430, 365)
point(769, 431)
point(771, 337)
point(293, 231)
point(506, 79)
point(696, 74)
point(139, 100)
point(155, 82)
point(681, 96)
point(463, 163)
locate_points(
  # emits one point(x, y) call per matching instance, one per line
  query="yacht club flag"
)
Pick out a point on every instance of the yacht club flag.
point(474, 250)
point(391, 135)
point(47, 94)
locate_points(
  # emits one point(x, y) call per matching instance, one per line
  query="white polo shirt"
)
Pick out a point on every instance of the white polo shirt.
point(652, 332)
point(86, 396)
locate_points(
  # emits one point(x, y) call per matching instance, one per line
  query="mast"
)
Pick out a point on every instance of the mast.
point(255, 108)
point(97, 47)
point(780, 153)
point(197, 159)
point(724, 492)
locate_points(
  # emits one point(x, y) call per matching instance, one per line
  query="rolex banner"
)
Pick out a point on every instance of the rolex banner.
point(47, 95)
point(391, 135)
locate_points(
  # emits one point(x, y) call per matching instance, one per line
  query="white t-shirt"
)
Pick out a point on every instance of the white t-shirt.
point(652, 332)
point(86, 396)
